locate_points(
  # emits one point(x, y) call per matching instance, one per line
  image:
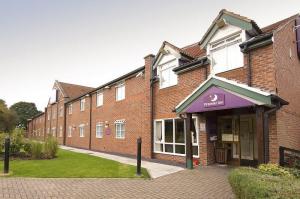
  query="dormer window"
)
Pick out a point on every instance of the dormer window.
point(167, 77)
point(225, 54)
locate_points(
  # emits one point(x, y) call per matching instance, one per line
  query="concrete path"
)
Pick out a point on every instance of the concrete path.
point(208, 182)
point(154, 169)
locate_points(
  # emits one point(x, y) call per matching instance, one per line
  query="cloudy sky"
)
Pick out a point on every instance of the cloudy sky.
point(90, 42)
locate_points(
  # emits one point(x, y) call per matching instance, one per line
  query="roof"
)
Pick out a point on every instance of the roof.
point(194, 50)
point(73, 90)
point(185, 52)
point(274, 26)
point(265, 98)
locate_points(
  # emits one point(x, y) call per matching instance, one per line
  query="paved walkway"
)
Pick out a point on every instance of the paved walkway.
point(208, 182)
point(154, 169)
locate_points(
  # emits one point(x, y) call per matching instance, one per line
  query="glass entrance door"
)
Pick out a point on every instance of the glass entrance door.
point(247, 137)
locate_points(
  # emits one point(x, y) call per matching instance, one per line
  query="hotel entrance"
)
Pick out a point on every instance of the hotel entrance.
point(236, 142)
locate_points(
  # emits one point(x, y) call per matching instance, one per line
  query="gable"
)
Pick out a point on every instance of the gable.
point(226, 18)
point(224, 31)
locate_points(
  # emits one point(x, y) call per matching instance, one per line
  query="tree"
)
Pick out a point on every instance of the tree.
point(24, 111)
point(7, 118)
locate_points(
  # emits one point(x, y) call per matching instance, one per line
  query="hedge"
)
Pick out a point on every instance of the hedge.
point(252, 183)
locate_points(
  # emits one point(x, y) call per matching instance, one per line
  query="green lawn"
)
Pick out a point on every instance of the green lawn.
point(72, 165)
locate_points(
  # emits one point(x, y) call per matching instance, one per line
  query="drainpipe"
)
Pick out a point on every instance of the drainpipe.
point(249, 75)
point(45, 123)
point(65, 124)
point(90, 139)
point(266, 131)
point(152, 111)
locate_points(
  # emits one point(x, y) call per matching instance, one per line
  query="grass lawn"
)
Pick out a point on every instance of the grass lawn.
point(72, 165)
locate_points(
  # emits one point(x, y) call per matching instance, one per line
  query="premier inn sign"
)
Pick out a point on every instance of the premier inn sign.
point(214, 99)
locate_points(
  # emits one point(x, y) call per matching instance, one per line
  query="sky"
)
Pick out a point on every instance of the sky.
point(90, 42)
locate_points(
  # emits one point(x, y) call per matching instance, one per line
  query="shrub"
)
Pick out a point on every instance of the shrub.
point(27, 147)
point(274, 169)
point(50, 147)
point(36, 150)
point(2, 140)
point(253, 183)
point(16, 140)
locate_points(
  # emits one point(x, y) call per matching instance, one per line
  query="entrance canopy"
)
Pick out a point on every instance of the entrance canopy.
point(218, 93)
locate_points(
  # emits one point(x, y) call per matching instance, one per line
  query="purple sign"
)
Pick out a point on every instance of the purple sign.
point(107, 131)
point(214, 99)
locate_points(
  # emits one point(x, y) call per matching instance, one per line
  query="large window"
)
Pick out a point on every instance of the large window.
point(120, 92)
point(120, 129)
point(226, 54)
point(169, 136)
point(167, 77)
point(81, 130)
point(82, 104)
point(99, 130)
point(99, 100)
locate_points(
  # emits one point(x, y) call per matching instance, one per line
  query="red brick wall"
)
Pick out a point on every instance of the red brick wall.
point(288, 84)
point(75, 120)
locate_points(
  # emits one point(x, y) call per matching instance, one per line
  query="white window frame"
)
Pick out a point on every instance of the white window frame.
point(120, 88)
point(174, 143)
point(225, 42)
point(82, 104)
point(54, 131)
point(81, 130)
point(60, 131)
point(99, 130)
point(168, 66)
point(70, 131)
point(70, 109)
point(99, 99)
point(120, 134)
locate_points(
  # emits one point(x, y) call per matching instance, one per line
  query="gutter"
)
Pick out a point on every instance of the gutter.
point(152, 80)
point(256, 42)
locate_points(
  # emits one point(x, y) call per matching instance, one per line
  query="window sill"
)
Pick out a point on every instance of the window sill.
point(161, 88)
point(99, 137)
point(121, 138)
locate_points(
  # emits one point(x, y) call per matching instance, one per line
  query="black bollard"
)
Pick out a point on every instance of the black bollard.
point(139, 156)
point(6, 155)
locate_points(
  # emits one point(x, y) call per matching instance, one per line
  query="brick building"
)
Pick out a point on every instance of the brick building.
point(233, 97)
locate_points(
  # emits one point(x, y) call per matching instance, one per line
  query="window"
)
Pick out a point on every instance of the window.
point(99, 99)
point(53, 114)
point(53, 131)
point(167, 77)
point(169, 136)
point(49, 116)
point(120, 92)
point(81, 130)
point(61, 111)
point(82, 104)
point(120, 129)
point(226, 54)
point(70, 109)
point(60, 131)
point(99, 130)
point(70, 131)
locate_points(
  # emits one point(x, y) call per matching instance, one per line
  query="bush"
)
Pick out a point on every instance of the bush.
point(27, 147)
point(36, 150)
point(274, 170)
point(16, 140)
point(2, 140)
point(50, 147)
point(253, 183)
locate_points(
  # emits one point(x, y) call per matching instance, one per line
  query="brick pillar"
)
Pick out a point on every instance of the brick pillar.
point(146, 110)
point(206, 147)
point(273, 140)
